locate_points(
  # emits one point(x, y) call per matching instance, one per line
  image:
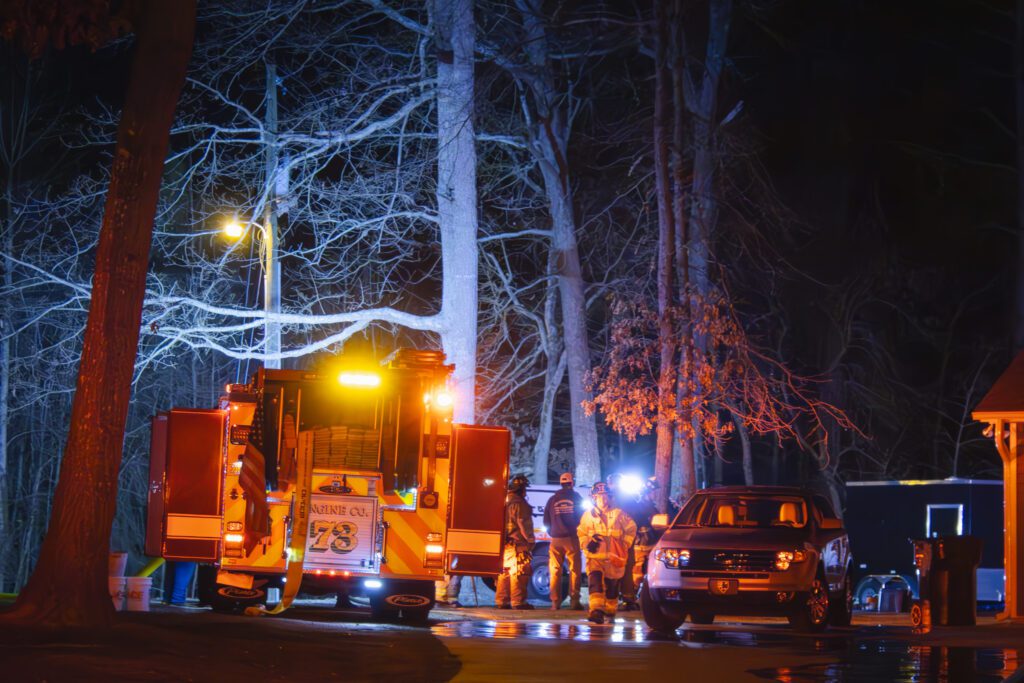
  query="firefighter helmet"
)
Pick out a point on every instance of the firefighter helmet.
point(518, 483)
point(599, 489)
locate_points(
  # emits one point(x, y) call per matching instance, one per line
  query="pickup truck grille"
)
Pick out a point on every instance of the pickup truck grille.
point(732, 560)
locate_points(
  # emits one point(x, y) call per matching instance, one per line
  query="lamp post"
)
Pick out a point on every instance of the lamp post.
point(271, 286)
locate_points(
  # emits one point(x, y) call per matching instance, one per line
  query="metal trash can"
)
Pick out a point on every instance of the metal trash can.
point(947, 568)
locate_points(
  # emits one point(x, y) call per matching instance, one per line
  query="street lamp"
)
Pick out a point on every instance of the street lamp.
point(271, 286)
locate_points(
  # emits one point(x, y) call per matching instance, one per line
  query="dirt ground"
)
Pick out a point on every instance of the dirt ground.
point(175, 645)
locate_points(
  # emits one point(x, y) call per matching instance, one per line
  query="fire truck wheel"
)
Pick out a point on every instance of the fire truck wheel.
point(232, 599)
point(416, 617)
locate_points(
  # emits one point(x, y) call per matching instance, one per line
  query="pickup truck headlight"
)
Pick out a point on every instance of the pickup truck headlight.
point(673, 558)
point(784, 558)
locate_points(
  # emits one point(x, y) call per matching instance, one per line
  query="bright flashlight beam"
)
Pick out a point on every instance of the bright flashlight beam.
point(631, 485)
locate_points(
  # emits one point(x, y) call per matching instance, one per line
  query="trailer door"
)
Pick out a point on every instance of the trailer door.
point(193, 474)
point(155, 494)
point(476, 511)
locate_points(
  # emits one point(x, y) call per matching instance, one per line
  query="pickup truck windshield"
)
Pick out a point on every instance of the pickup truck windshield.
point(743, 511)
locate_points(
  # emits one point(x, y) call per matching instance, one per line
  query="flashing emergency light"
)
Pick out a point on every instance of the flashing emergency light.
point(367, 380)
point(233, 538)
point(587, 504)
point(631, 485)
point(440, 399)
point(234, 229)
point(373, 584)
point(434, 549)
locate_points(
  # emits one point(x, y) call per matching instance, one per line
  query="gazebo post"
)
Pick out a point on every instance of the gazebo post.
point(1009, 439)
point(1003, 409)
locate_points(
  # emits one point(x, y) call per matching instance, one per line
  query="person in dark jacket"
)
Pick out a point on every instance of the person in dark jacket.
point(562, 517)
point(519, 542)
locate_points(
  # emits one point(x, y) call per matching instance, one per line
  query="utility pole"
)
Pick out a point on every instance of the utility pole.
point(271, 270)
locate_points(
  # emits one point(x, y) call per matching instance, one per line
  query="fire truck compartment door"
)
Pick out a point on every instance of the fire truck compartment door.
point(194, 447)
point(476, 511)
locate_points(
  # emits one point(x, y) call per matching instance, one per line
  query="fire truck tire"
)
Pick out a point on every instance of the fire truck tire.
point(416, 617)
point(232, 599)
point(413, 600)
point(228, 599)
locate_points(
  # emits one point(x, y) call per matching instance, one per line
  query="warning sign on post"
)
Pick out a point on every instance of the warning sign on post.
point(342, 532)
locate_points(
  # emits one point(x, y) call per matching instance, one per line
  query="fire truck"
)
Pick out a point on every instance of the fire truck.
point(371, 489)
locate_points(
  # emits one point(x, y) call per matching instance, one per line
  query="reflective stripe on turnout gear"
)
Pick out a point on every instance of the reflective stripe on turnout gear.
point(617, 532)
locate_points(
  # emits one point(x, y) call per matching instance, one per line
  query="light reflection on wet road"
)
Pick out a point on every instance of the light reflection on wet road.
point(843, 657)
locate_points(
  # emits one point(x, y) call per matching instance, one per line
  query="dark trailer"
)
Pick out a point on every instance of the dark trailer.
point(881, 517)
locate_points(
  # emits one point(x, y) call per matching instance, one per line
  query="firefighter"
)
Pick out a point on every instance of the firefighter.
point(627, 502)
point(562, 518)
point(641, 510)
point(447, 591)
point(519, 542)
point(606, 533)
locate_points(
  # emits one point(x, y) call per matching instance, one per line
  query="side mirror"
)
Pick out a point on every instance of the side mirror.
point(830, 523)
point(659, 521)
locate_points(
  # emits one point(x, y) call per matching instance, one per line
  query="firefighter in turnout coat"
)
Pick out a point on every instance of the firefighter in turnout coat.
point(519, 542)
point(606, 533)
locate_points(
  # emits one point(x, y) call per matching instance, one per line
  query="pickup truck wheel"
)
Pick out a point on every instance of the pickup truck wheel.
point(654, 617)
point(812, 614)
point(841, 613)
point(539, 587)
point(702, 618)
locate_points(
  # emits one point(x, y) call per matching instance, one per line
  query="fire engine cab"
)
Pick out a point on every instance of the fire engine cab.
point(370, 488)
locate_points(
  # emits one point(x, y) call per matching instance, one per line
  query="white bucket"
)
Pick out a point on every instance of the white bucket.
point(138, 593)
point(116, 564)
point(116, 584)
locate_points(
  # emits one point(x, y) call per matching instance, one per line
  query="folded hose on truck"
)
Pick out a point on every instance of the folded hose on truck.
point(300, 533)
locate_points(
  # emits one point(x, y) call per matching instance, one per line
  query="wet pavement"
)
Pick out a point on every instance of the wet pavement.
point(557, 645)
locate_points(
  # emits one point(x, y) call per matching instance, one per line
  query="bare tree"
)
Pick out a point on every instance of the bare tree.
point(68, 585)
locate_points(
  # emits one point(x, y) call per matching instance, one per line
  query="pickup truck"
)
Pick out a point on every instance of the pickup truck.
point(750, 550)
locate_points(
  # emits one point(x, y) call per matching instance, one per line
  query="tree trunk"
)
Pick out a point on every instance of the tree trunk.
point(686, 459)
point(69, 584)
point(748, 458)
point(703, 105)
point(456, 196)
point(549, 136)
point(271, 264)
point(553, 374)
point(1018, 83)
point(667, 371)
point(6, 327)
point(542, 448)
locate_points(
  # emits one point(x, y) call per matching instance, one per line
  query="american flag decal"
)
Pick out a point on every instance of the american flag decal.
point(253, 480)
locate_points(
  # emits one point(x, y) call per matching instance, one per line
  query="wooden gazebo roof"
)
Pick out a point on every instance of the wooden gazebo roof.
point(1005, 400)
